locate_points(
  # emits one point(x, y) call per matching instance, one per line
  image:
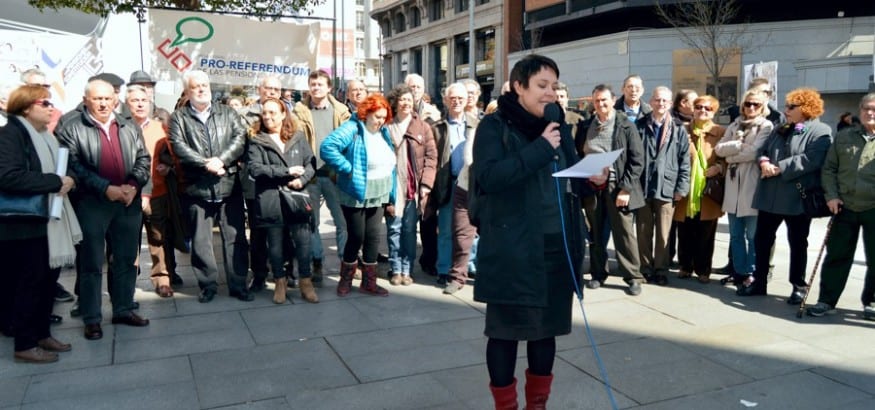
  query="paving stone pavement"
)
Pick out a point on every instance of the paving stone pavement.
point(684, 346)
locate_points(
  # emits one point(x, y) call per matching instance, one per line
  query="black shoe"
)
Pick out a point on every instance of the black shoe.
point(257, 285)
point(674, 265)
point(660, 280)
point(797, 295)
point(61, 294)
point(429, 270)
point(242, 295)
point(207, 295)
point(382, 258)
point(292, 282)
point(55, 319)
point(751, 290)
point(594, 283)
point(728, 269)
point(442, 280)
point(175, 279)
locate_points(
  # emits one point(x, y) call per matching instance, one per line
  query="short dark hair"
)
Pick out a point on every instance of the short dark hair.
point(530, 65)
point(603, 87)
point(320, 73)
point(396, 93)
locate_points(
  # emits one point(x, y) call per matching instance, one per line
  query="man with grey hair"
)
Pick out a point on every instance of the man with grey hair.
point(664, 180)
point(355, 94)
point(208, 140)
point(847, 177)
point(34, 76)
point(426, 111)
point(571, 118)
point(473, 89)
point(111, 165)
point(451, 135)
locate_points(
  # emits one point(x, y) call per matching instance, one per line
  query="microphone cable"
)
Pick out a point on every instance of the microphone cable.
point(578, 291)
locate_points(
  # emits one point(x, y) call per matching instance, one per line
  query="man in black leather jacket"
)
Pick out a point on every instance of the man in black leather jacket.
point(209, 139)
point(111, 164)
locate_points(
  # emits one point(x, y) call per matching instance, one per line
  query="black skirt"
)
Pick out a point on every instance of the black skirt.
point(514, 322)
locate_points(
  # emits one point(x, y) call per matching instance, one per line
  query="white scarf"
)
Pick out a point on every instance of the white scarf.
point(65, 232)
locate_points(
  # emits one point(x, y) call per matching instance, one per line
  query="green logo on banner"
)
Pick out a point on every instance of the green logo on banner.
point(192, 25)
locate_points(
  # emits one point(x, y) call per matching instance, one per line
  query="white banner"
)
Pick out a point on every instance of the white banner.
point(67, 60)
point(232, 50)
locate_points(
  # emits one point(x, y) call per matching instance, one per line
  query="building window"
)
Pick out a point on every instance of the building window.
point(386, 28)
point(415, 18)
point(400, 24)
point(362, 2)
point(359, 47)
point(461, 5)
point(360, 70)
point(435, 10)
point(360, 21)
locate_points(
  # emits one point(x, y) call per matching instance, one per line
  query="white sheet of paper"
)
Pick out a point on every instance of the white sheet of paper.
point(590, 165)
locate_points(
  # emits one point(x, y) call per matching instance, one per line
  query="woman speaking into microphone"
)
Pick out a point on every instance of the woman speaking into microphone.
point(528, 223)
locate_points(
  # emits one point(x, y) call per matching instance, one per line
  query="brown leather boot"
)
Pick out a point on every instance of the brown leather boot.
point(369, 281)
point(537, 391)
point(308, 292)
point(505, 397)
point(347, 270)
point(279, 291)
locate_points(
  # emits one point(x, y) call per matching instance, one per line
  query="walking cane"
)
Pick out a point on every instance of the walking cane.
point(814, 269)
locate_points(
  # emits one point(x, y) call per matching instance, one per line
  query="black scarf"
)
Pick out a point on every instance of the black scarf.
point(528, 125)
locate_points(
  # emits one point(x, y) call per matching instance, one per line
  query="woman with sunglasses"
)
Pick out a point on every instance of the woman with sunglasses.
point(791, 157)
point(697, 214)
point(739, 146)
point(32, 251)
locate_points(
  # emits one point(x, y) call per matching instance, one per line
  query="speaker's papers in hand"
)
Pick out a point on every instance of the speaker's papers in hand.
point(590, 165)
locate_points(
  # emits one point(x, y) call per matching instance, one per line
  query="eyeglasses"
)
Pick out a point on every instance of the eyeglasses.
point(791, 106)
point(45, 103)
point(751, 104)
point(704, 107)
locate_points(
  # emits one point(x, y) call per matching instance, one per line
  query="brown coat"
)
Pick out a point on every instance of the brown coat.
point(710, 209)
point(421, 140)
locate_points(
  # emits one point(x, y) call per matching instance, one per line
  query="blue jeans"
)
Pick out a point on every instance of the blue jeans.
point(741, 232)
point(325, 188)
point(401, 238)
point(445, 239)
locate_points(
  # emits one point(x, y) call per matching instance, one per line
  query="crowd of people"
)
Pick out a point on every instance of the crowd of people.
point(476, 186)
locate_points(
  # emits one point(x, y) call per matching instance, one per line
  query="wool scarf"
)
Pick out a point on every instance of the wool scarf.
point(697, 174)
point(65, 232)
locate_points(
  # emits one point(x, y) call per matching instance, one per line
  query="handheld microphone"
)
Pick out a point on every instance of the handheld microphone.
point(553, 113)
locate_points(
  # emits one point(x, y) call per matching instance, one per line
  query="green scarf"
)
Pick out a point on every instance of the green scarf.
point(697, 177)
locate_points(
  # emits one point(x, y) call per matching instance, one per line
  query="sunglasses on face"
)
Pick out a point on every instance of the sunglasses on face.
point(703, 107)
point(751, 104)
point(44, 103)
point(791, 106)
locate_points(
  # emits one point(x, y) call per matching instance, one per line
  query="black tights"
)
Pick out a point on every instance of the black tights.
point(501, 359)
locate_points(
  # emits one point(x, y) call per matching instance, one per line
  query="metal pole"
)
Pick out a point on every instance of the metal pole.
point(141, 18)
point(472, 53)
point(334, 45)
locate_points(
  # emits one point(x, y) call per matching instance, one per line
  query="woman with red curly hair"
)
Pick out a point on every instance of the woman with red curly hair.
point(790, 160)
point(361, 152)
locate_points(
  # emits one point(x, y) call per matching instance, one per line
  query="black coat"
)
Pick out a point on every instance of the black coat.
point(630, 164)
point(193, 142)
point(510, 254)
point(270, 169)
point(82, 137)
point(21, 173)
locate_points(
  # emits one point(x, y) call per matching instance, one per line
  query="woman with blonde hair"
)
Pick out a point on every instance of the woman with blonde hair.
point(790, 160)
point(697, 213)
point(739, 146)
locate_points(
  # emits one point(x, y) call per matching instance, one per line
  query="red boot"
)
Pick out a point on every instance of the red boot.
point(369, 281)
point(505, 397)
point(347, 270)
point(537, 391)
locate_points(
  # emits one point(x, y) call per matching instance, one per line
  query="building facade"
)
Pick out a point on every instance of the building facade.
point(431, 38)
